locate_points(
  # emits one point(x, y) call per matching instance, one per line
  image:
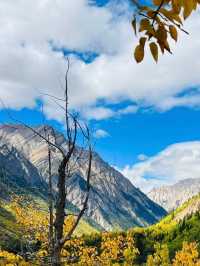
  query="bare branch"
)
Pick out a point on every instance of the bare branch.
point(31, 129)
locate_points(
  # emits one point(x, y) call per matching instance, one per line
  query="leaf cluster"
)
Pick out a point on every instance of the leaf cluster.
point(158, 23)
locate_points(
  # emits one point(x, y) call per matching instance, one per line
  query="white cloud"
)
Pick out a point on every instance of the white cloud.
point(142, 157)
point(130, 109)
point(100, 113)
point(28, 64)
point(100, 133)
point(97, 113)
point(175, 163)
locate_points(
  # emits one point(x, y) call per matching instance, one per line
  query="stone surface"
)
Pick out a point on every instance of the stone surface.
point(171, 197)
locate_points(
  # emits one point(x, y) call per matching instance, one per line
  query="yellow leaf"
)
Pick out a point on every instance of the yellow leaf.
point(173, 32)
point(143, 41)
point(144, 8)
point(139, 53)
point(194, 4)
point(151, 13)
point(162, 47)
point(144, 24)
point(171, 14)
point(166, 46)
point(176, 5)
point(177, 18)
point(134, 25)
point(188, 7)
point(158, 2)
point(154, 50)
point(161, 34)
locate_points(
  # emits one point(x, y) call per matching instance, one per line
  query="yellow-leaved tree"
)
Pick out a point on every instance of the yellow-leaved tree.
point(188, 256)
point(160, 257)
point(158, 22)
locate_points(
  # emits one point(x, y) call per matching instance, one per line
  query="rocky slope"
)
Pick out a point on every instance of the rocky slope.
point(114, 201)
point(188, 209)
point(183, 212)
point(18, 175)
point(171, 197)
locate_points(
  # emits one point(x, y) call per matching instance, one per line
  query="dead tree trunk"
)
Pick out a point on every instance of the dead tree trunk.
point(60, 212)
point(64, 173)
point(57, 238)
point(60, 238)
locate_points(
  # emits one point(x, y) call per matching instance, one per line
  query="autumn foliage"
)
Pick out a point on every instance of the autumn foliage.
point(188, 256)
point(159, 22)
point(152, 246)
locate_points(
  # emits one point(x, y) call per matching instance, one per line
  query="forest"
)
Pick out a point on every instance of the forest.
point(166, 243)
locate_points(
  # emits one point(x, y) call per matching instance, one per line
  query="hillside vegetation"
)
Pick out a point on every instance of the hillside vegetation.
point(25, 222)
point(175, 238)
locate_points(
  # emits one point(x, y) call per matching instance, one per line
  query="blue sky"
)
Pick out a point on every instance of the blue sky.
point(144, 117)
point(131, 135)
point(147, 133)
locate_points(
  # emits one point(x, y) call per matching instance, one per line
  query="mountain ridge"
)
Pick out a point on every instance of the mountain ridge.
point(114, 201)
point(172, 196)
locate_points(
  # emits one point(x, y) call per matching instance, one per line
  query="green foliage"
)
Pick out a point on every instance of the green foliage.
point(154, 245)
point(160, 256)
point(9, 232)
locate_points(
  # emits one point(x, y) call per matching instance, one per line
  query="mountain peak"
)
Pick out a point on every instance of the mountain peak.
point(172, 196)
point(114, 202)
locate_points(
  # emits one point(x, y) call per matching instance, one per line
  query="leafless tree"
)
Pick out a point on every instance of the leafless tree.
point(65, 171)
point(70, 156)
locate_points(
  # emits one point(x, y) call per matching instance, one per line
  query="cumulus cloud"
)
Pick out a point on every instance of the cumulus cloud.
point(100, 113)
point(100, 133)
point(33, 34)
point(175, 163)
point(97, 113)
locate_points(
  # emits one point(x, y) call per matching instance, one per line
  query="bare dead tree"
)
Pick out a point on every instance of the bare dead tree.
point(64, 173)
point(69, 157)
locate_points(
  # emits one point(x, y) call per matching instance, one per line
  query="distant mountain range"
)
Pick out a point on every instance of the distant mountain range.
point(114, 202)
point(184, 212)
point(171, 197)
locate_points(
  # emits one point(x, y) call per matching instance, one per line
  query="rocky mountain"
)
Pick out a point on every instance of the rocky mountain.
point(17, 174)
point(114, 202)
point(171, 197)
point(183, 212)
point(189, 208)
